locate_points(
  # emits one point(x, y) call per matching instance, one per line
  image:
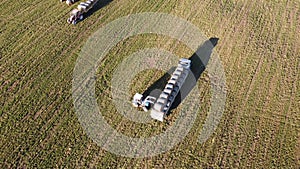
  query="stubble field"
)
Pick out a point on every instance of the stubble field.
point(259, 48)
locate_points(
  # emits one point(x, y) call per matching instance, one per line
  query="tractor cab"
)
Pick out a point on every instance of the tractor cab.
point(146, 104)
point(75, 16)
point(137, 100)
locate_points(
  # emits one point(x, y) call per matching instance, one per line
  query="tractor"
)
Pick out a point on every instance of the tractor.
point(76, 15)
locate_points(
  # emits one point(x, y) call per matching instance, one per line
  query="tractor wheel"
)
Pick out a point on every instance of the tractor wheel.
point(74, 22)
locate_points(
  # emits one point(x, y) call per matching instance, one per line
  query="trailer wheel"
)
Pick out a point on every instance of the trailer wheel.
point(81, 17)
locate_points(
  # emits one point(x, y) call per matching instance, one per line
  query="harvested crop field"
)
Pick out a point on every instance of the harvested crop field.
point(258, 46)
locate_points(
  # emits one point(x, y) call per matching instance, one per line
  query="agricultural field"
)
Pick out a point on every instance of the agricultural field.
point(258, 45)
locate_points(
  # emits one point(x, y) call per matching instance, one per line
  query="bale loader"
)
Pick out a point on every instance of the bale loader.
point(160, 106)
point(145, 104)
point(77, 14)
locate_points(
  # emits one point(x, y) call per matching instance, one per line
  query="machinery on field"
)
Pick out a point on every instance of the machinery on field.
point(77, 14)
point(161, 105)
point(69, 2)
point(146, 104)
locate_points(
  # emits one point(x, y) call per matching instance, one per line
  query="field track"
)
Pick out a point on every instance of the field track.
point(258, 45)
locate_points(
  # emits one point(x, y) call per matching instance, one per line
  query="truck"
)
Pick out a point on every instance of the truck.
point(77, 13)
point(160, 106)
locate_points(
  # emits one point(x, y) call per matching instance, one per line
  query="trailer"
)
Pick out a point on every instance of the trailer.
point(160, 106)
point(77, 14)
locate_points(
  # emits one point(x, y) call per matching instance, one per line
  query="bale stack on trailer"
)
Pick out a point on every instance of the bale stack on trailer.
point(168, 95)
point(77, 14)
point(161, 105)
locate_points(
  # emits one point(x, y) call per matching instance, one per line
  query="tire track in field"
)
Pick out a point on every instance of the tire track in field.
point(239, 14)
point(297, 150)
point(49, 28)
point(39, 55)
point(281, 32)
point(232, 64)
point(123, 121)
point(28, 45)
point(247, 95)
point(251, 86)
point(240, 26)
point(41, 26)
point(165, 156)
point(273, 85)
point(226, 24)
point(9, 13)
point(31, 15)
point(270, 91)
point(26, 75)
point(61, 15)
point(199, 9)
point(292, 99)
point(36, 4)
point(260, 122)
point(71, 46)
point(243, 13)
point(294, 87)
point(284, 54)
point(74, 50)
point(168, 41)
point(214, 25)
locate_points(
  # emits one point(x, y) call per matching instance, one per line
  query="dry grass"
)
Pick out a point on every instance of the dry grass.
point(258, 46)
